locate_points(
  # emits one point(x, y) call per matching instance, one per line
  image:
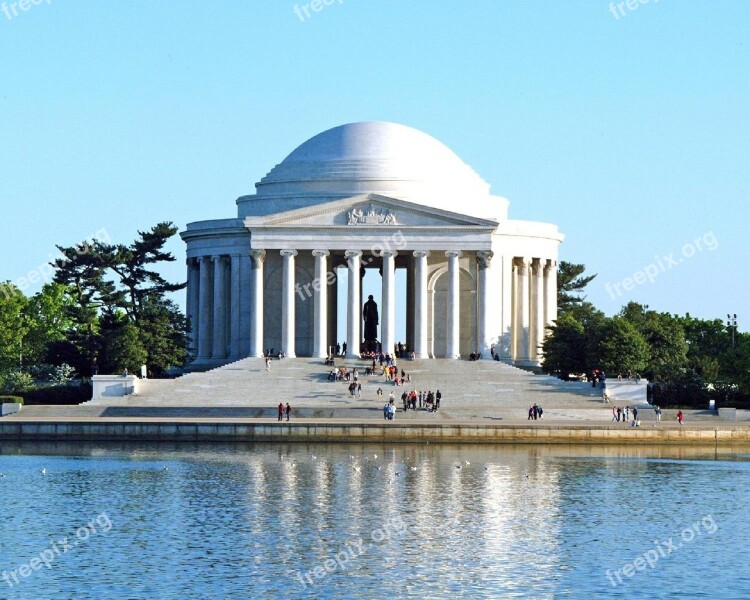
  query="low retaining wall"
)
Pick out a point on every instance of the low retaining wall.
point(300, 431)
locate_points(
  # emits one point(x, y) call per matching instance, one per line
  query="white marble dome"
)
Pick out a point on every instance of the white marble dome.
point(374, 157)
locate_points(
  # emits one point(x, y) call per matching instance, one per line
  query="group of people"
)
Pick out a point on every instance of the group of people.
point(428, 400)
point(343, 374)
point(623, 414)
point(399, 351)
point(270, 353)
point(535, 412)
point(636, 378)
point(284, 410)
point(389, 410)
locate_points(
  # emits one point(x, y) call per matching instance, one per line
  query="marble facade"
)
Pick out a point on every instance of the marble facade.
point(370, 196)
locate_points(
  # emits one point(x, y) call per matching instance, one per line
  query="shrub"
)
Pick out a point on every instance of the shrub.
point(62, 374)
point(11, 400)
point(16, 381)
point(58, 394)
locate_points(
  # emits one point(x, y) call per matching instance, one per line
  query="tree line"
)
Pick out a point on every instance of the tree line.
point(686, 360)
point(106, 310)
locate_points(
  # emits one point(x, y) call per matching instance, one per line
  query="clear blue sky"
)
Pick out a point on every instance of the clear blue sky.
point(630, 133)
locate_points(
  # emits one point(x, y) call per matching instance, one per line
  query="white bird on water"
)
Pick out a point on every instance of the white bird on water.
point(44, 470)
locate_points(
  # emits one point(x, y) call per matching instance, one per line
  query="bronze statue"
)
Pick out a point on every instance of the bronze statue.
point(370, 314)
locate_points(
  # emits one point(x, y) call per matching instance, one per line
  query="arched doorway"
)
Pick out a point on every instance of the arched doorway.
point(437, 307)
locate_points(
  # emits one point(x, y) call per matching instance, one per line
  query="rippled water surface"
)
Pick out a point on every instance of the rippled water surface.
point(372, 521)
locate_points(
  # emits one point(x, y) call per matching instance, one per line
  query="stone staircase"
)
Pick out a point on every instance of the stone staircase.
point(469, 389)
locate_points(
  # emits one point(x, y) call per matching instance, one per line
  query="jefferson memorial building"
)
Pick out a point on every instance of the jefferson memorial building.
point(370, 196)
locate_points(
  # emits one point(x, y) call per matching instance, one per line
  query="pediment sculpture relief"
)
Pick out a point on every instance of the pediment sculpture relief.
point(357, 216)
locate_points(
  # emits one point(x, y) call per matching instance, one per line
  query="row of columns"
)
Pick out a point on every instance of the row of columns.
point(536, 305)
point(211, 279)
point(354, 316)
point(535, 285)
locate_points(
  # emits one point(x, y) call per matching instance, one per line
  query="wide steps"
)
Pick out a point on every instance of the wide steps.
point(468, 388)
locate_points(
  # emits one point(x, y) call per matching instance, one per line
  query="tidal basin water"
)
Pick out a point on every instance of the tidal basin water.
point(372, 521)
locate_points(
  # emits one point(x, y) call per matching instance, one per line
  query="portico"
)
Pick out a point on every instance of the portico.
point(269, 279)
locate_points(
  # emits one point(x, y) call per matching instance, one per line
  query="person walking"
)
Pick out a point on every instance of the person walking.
point(657, 410)
point(281, 411)
point(679, 417)
point(438, 397)
point(288, 411)
point(359, 391)
point(614, 414)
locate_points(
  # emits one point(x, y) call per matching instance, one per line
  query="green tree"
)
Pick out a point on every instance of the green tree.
point(130, 264)
point(47, 318)
point(121, 346)
point(565, 348)
point(666, 340)
point(103, 281)
point(12, 325)
point(82, 272)
point(570, 285)
point(163, 334)
point(621, 347)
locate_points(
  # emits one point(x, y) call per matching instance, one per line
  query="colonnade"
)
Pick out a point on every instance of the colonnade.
point(535, 306)
point(214, 290)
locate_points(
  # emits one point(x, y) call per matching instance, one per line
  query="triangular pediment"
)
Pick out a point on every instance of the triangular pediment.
point(366, 211)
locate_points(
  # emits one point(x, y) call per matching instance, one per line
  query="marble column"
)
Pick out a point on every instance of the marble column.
point(353, 308)
point(453, 329)
point(205, 309)
point(287, 303)
point(388, 311)
point(537, 309)
point(234, 307)
point(522, 309)
point(550, 291)
point(193, 302)
point(220, 308)
point(420, 303)
point(256, 292)
point(483, 305)
point(507, 323)
point(320, 304)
